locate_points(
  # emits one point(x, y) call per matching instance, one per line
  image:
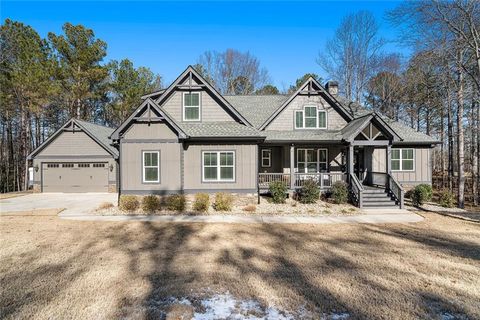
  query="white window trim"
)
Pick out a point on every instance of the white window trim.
point(268, 157)
point(145, 167)
point(317, 124)
point(218, 166)
point(318, 162)
point(305, 117)
point(401, 159)
point(183, 107)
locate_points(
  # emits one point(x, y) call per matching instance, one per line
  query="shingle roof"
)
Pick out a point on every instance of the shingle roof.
point(102, 133)
point(303, 135)
point(219, 129)
point(353, 126)
point(256, 108)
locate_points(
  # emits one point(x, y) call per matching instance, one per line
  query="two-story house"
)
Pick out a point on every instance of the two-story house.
point(189, 138)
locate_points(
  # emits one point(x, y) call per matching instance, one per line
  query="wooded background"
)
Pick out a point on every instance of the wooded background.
point(435, 89)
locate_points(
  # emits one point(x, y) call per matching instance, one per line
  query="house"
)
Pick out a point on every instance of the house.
point(189, 138)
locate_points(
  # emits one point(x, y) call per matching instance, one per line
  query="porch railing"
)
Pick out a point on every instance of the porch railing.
point(324, 180)
point(356, 190)
point(396, 190)
point(377, 178)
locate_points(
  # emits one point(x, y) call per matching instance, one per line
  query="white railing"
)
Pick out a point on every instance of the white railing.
point(264, 179)
point(324, 180)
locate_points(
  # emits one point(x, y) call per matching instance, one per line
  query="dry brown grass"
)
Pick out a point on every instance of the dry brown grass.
point(105, 205)
point(13, 194)
point(28, 213)
point(53, 268)
point(250, 208)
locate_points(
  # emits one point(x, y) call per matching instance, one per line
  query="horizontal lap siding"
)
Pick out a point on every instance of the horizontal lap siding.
point(72, 144)
point(211, 111)
point(285, 120)
point(245, 168)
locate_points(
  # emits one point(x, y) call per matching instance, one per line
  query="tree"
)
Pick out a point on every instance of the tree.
point(81, 75)
point(126, 85)
point(302, 80)
point(267, 90)
point(351, 56)
point(232, 71)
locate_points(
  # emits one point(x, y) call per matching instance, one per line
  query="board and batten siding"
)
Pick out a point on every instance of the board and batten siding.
point(210, 110)
point(246, 157)
point(285, 121)
point(422, 172)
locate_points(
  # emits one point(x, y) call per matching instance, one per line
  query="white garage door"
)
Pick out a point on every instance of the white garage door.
point(75, 177)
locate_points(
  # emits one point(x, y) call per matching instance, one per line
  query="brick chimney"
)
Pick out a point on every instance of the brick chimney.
point(332, 87)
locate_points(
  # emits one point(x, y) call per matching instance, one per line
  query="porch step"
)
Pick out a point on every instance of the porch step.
point(374, 197)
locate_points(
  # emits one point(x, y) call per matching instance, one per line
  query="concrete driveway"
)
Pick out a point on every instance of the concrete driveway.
point(74, 203)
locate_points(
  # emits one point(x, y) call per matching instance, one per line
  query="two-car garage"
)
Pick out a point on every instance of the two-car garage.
point(76, 158)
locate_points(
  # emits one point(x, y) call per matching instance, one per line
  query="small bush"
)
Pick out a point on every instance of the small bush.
point(223, 202)
point(105, 205)
point(278, 190)
point(447, 199)
point(340, 192)
point(150, 203)
point(175, 202)
point(421, 194)
point(128, 203)
point(202, 202)
point(310, 192)
point(250, 208)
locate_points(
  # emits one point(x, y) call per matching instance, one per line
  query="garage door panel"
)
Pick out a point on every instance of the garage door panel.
point(77, 178)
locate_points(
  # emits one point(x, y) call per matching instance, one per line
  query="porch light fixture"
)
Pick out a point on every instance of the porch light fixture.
point(36, 168)
point(111, 167)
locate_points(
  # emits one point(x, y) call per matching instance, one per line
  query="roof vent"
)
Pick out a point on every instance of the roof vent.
point(332, 87)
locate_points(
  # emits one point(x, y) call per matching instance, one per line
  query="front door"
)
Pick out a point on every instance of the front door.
point(358, 164)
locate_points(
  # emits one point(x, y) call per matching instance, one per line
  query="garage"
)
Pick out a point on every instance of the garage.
point(76, 158)
point(75, 177)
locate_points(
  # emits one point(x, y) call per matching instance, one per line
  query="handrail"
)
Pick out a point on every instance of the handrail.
point(356, 189)
point(396, 189)
point(325, 180)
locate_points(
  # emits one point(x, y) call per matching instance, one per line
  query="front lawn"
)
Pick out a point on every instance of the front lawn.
point(54, 268)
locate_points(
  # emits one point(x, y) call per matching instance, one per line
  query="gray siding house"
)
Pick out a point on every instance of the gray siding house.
point(189, 138)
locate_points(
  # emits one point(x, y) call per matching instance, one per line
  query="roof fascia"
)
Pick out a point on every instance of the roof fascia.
point(385, 125)
point(49, 139)
point(366, 121)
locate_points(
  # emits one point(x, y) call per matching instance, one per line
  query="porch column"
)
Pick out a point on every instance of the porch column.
point(350, 159)
point(292, 166)
point(388, 166)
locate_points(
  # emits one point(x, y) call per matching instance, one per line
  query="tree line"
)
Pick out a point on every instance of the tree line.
point(435, 89)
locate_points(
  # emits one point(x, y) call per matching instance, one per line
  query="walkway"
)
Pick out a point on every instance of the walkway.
point(401, 216)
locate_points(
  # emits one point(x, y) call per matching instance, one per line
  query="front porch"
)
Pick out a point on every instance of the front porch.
point(359, 165)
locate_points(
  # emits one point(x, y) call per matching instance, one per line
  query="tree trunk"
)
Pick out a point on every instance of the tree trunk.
point(450, 142)
point(460, 134)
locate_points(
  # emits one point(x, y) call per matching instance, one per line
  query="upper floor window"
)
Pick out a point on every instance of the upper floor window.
point(310, 118)
point(403, 159)
point(191, 106)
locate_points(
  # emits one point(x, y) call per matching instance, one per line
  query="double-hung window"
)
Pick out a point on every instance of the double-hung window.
point(403, 159)
point(310, 118)
point(151, 166)
point(266, 158)
point(191, 106)
point(218, 165)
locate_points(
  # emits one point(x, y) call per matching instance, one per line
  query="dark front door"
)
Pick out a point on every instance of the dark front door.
point(358, 165)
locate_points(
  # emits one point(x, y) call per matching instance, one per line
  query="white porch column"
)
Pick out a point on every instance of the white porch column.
point(292, 166)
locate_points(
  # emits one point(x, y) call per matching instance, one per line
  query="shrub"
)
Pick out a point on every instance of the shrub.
point(105, 205)
point(340, 192)
point(128, 203)
point(175, 202)
point(421, 194)
point(250, 208)
point(223, 201)
point(201, 203)
point(150, 203)
point(310, 192)
point(278, 190)
point(447, 199)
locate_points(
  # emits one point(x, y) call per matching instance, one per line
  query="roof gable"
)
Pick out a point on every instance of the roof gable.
point(356, 128)
point(191, 80)
point(99, 134)
point(310, 87)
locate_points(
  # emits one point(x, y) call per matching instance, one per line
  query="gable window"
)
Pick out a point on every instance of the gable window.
point(266, 158)
point(151, 166)
point(403, 159)
point(310, 118)
point(218, 165)
point(191, 106)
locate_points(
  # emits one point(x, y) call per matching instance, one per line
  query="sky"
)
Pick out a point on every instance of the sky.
point(168, 36)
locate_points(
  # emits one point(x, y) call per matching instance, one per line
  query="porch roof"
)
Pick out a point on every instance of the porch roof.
point(303, 135)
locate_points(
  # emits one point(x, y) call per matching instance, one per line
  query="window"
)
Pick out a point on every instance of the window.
point(67, 165)
point(84, 165)
point(99, 165)
point(312, 160)
point(191, 106)
point(218, 165)
point(266, 158)
point(151, 166)
point(52, 165)
point(310, 118)
point(402, 159)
